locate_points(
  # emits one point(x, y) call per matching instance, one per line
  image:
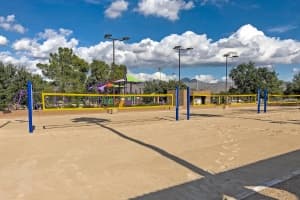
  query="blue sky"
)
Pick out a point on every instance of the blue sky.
point(266, 32)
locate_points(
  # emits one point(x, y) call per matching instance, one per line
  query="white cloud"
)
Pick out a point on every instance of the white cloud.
point(229, 80)
point(8, 23)
point(282, 29)
point(296, 70)
point(116, 9)
point(3, 40)
point(250, 44)
point(155, 76)
point(23, 61)
point(45, 43)
point(268, 66)
point(168, 9)
point(206, 78)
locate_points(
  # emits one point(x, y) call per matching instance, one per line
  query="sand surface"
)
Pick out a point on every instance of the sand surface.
point(148, 155)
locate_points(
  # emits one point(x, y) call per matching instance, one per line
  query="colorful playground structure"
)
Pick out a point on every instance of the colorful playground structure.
point(19, 97)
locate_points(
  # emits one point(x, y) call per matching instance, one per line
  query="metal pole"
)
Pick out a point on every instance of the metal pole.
point(113, 40)
point(178, 90)
point(177, 103)
point(159, 75)
point(258, 100)
point(29, 106)
point(265, 100)
point(179, 66)
point(226, 76)
point(188, 103)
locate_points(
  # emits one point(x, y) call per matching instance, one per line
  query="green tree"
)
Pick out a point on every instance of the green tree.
point(13, 80)
point(7, 75)
point(247, 79)
point(99, 73)
point(117, 72)
point(294, 86)
point(161, 87)
point(67, 71)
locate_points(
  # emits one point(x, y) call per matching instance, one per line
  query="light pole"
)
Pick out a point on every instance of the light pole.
point(228, 55)
point(180, 49)
point(159, 69)
point(109, 37)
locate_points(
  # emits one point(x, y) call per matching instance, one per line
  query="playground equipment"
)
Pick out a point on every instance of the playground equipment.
point(19, 97)
point(101, 87)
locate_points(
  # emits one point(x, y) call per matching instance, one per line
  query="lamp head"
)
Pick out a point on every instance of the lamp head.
point(231, 55)
point(190, 48)
point(125, 38)
point(226, 54)
point(177, 47)
point(107, 36)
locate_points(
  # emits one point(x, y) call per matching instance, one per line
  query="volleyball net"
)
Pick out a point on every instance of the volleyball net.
point(291, 100)
point(214, 100)
point(70, 101)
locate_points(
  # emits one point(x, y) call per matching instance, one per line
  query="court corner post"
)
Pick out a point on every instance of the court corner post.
point(258, 100)
point(177, 103)
point(188, 103)
point(265, 100)
point(29, 106)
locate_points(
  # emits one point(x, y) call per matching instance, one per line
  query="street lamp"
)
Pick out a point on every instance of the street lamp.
point(228, 55)
point(159, 69)
point(109, 37)
point(180, 49)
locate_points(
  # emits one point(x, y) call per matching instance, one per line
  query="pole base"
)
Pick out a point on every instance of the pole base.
point(225, 106)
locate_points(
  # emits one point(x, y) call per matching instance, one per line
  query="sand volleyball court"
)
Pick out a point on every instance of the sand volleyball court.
point(218, 154)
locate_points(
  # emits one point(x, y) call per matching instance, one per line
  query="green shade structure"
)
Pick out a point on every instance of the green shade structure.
point(132, 79)
point(129, 79)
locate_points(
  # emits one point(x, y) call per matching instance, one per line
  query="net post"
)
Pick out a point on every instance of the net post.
point(258, 100)
point(188, 103)
point(29, 106)
point(265, 100)
point(177, 103)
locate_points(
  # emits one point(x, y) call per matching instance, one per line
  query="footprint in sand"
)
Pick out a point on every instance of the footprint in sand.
point(229, 150)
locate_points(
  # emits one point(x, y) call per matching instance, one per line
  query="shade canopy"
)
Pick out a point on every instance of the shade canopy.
point(130, 79)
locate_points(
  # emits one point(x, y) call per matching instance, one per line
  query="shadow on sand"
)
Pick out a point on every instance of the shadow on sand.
point(5, 124)
point(294, 122)
point(204, 115)
point(86, 121)
point(231, 183)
